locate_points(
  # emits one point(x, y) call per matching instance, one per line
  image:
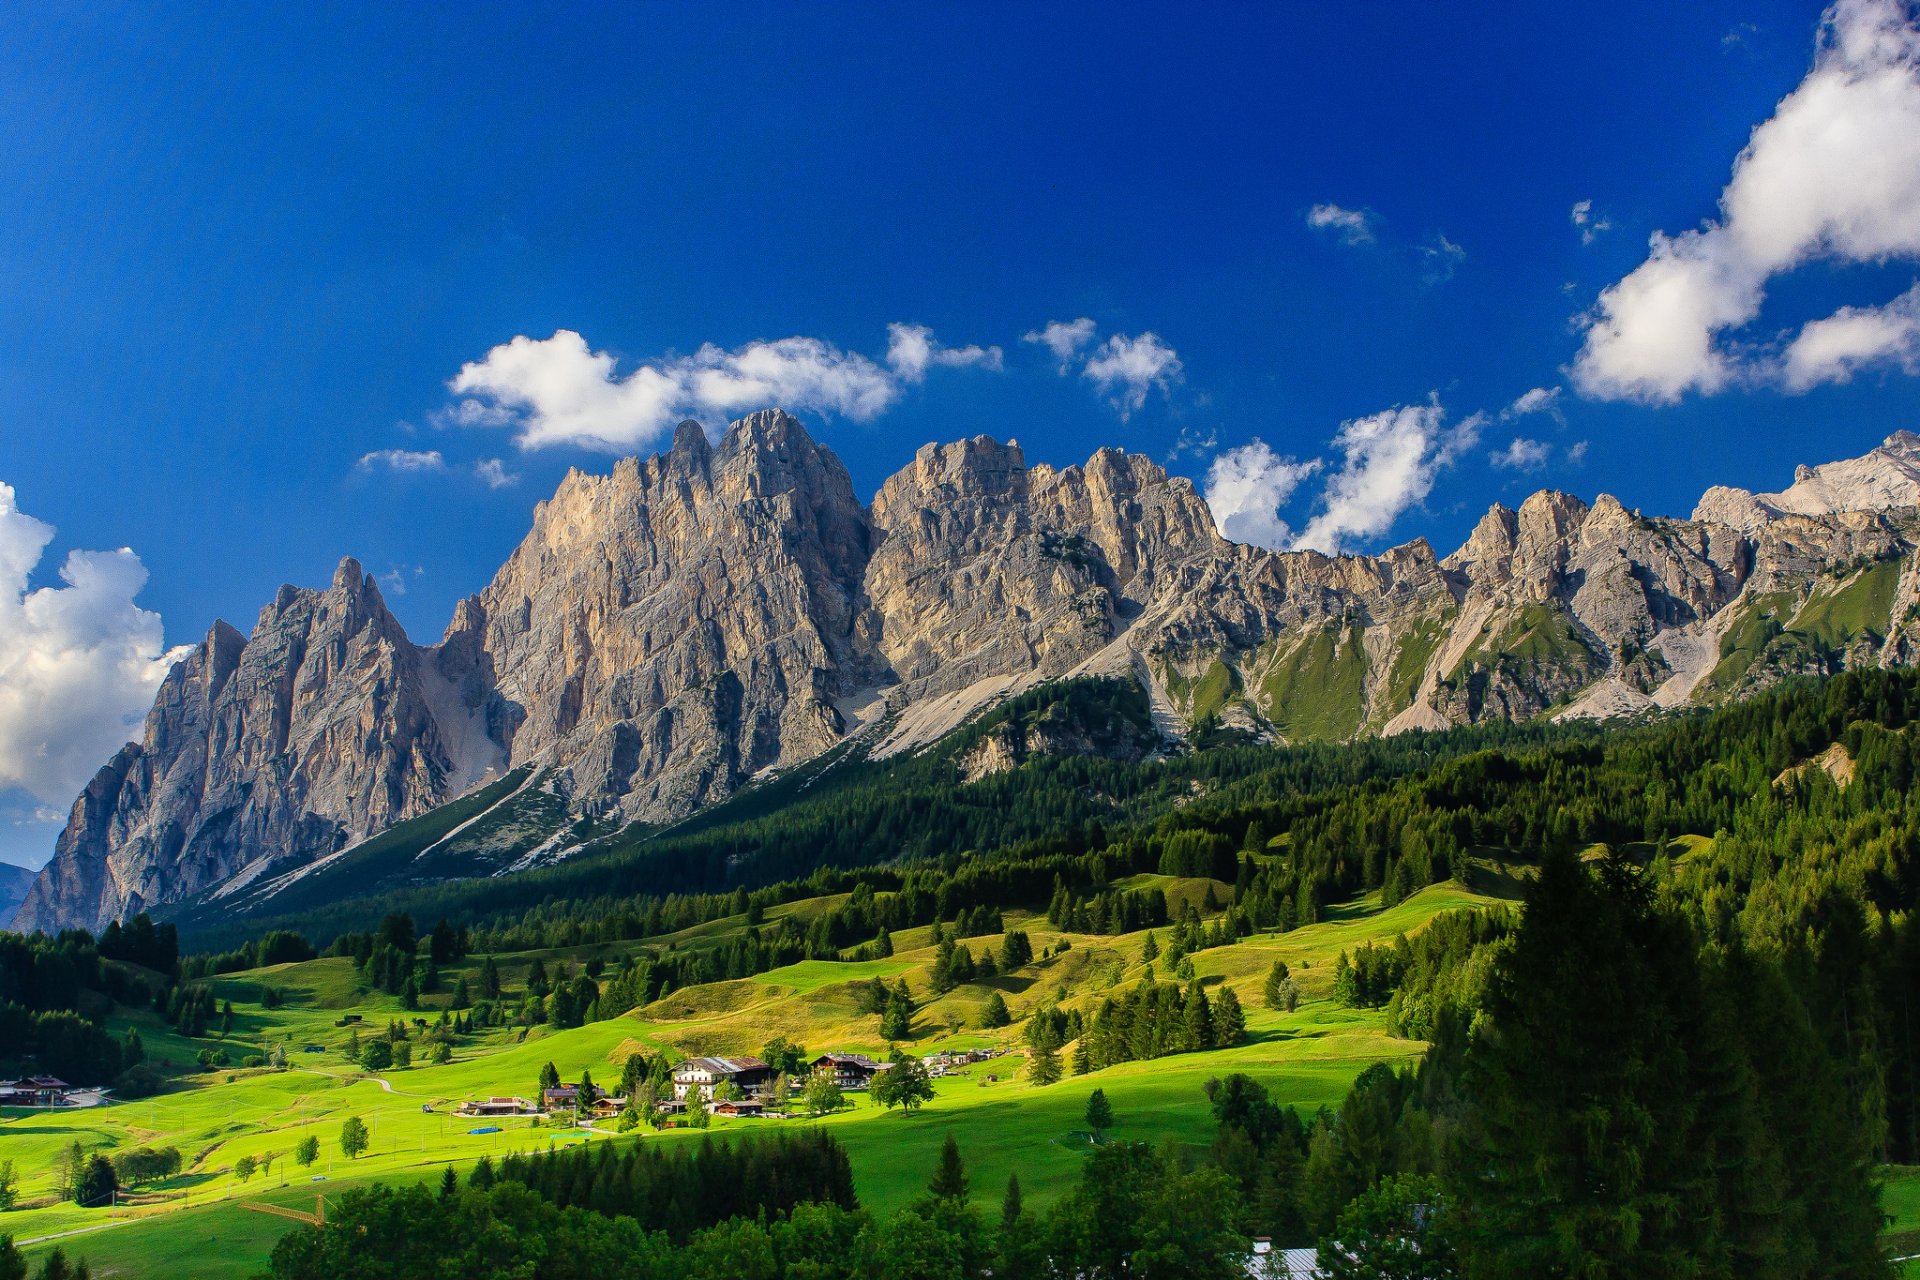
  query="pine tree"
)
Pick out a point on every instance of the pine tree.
point(1150, 949)
point(997, 1014)
point(449, 1183)
point(1082, 1057)
point(1274, 988)
point(1229, 1020)
point(1043, 1052)
point(1099, 1113)
point(950, 1175)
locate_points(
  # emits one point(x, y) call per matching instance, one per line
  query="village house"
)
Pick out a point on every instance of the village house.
point(738, 1107)
point(607, 1108)
point(34, 1091)
point(560, 1097)
point(496, 1107)
point(707, 1073)
point(848, 1070)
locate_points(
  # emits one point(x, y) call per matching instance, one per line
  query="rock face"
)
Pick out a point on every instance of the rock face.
point(666, 632)
point(325, 726)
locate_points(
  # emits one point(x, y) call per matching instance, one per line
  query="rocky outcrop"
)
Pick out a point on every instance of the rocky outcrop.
point(324, 726)
point(669, 631)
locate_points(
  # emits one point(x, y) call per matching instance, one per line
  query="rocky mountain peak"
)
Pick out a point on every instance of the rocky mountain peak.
point(674, 627)
point(1884, 477)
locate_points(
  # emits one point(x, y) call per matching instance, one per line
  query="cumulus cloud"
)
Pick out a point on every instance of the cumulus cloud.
point(493, 473)
point(79, 663)
point(1125, 369)
point(1064, 338)
point(1523, 455)
point(402, 460)
point(1539, 400)
point(1833, 175)
point(1246, 488)
point(560, 391)
point(1853, 338)
point(911, 351)
point(1592, 225)
point(1353, 226)
point(1388, 463)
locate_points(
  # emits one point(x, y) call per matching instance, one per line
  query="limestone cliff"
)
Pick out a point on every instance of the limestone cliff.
point(668, 631)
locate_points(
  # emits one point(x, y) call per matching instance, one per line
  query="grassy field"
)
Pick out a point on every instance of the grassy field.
point(196, 1221)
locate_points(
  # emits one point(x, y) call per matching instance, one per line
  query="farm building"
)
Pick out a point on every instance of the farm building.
point(747, 1073)
point(848, 1070)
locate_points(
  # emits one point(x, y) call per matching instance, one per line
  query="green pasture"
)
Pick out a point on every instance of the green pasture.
point(195, 1221)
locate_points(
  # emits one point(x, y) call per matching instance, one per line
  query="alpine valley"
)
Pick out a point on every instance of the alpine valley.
point(730, 617)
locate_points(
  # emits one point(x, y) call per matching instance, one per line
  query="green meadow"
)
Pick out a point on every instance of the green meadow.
point(199, 1224)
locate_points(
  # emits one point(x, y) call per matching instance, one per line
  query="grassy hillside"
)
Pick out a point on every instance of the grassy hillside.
point(1308, 1057)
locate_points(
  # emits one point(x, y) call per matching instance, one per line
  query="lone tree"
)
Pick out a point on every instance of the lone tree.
point(97, 1184)
point(243, 1167)
point(896, 1020)
point(950, 1175)
point(997, 1014)
point(307, 1150)
point(353, 1137)
point(1099, 1114)
point(1043, 1051)
point(1275, 987)
point(904, 1085)
point(823, 1096)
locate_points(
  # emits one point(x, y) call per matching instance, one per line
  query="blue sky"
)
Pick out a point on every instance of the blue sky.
point(241, 250)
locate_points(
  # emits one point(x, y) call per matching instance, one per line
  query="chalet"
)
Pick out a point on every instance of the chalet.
point(607, 1108)
point(560, 1096)
point(1265, 1262)
point(496, 1107)
point(34, 1091)
point(747, 1073)
point(738, 1107)
point(848, 1070)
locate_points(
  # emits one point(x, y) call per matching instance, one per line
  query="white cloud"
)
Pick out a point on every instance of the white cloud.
point(402, 460)
point(79, 663)
point(559, 391)
point(1125, 369)
point(1354, 226)
point(1852, 338)
point(1592, 225)
point(1190, 440)
point(494, 474)
point(1247, 487)
point(1389, 461)
point(1064, 338)
point(1439, 257)
point(796, 373)
point(1539, 400)
point(1523, 455)
point(911, 349)
point(1577, 452)
point(1834, 175)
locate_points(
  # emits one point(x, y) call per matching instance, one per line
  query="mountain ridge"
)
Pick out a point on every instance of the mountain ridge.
point(680, 625)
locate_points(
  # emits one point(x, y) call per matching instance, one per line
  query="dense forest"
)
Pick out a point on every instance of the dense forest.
point(1627, 1097)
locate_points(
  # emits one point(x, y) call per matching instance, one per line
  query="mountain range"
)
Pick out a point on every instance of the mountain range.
point(669, 633)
